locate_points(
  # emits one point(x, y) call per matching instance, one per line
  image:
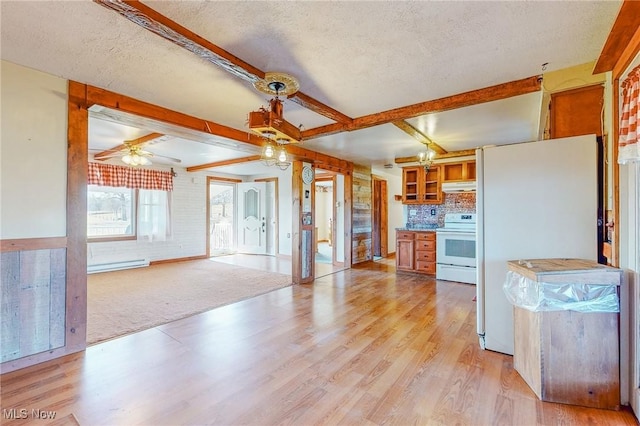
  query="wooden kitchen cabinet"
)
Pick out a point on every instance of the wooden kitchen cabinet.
point(404, 250)
point(459, 172)
point(416, 251)
point(420, 187)
point(425, 252)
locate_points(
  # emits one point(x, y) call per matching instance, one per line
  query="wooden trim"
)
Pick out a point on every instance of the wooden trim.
point(224, 163)
point(177, 259)
point(628, 55)
point(452, 154)
point(334, 215)
point(17, 364)
point(474, 97)
point(23, 244)
point(348, 219)
point(419, 136)
point(296, 229)
point(320, 108)
point(152, 21)
point(383, 231)
point(77, 164)
point(208, 216)
point(223, 179)
point(133, 142)
point(615, 243)
point(125, 104)
point(625, 25)
point(91, 240)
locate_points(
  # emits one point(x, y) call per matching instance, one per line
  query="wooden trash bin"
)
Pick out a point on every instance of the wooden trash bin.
point(566, 329)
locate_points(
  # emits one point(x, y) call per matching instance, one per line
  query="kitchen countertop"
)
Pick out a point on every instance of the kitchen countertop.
point(430, 227)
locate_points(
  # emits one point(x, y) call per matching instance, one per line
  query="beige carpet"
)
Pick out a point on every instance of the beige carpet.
point(123, 302)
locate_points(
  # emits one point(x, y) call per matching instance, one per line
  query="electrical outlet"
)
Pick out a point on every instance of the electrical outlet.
point(433, 212)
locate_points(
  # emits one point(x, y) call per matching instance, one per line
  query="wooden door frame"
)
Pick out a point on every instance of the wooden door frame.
point(383, 232)
point(208, 209)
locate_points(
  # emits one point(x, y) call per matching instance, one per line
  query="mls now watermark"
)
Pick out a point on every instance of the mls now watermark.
point(23, 413)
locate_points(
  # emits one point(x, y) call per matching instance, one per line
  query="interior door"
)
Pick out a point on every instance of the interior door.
point(252, 217)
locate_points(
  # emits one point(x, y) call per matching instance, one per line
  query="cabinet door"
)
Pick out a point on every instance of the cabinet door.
point(404, 255)
point(432, 186)
point(411, 183)
point(459, 172)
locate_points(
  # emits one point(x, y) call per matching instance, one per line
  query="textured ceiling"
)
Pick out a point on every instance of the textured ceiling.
point(358, 57)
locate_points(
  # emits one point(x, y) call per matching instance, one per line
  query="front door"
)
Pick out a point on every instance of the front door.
point(252, 218)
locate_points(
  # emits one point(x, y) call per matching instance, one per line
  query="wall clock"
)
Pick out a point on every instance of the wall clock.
point(307, 174)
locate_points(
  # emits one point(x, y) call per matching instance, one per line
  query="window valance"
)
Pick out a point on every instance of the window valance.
point(128, 177)
point(629, 139)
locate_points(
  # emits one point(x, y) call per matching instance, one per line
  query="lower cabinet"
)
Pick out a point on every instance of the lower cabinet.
point(416, 251)
point(404, 251)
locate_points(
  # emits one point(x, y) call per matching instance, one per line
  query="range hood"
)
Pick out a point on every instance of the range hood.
point(450, 187)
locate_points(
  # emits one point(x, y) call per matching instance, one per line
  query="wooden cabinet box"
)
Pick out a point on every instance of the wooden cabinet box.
point(567, 356)
point(420, 187)
point(416, 251)
point(404, 250)
point(459, 172)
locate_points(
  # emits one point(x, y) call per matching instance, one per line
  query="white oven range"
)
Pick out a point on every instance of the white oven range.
point(456, 248)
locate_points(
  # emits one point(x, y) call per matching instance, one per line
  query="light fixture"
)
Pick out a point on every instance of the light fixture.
point(136, 157)
point(425, 158)
point(270, 124)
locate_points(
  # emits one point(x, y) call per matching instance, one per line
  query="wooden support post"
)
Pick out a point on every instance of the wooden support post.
point(302, 209)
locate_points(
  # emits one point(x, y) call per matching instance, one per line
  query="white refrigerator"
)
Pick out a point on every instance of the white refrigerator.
point(534, 200)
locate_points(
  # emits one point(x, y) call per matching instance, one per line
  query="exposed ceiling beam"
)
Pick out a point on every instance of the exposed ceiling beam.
point(223, 163)
point(130, 106)
point(151, 20)
point(419, 136)
point(452, 154)
point(133, 142)
point(624, 27)
point(474, 97)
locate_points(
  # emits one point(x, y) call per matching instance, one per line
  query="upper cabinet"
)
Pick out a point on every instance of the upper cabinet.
point(576, 112)
point(459, 172)
point(420, 187)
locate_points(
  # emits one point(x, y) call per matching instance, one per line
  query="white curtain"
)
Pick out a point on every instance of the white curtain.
point(629, 140)
point(154, 215)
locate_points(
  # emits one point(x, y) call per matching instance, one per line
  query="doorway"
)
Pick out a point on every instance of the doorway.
point(324, 215)
point(379, 220)
point(330, 222)
point(221, 215)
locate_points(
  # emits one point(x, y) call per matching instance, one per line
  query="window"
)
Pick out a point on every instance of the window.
point(110, 212)
point(154, 215)
point(126, 214)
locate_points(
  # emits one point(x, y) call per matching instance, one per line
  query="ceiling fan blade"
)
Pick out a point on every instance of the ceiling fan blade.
point(173, 160)
point(99, 155)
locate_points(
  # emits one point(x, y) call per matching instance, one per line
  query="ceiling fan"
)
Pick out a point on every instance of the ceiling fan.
point(132, 152)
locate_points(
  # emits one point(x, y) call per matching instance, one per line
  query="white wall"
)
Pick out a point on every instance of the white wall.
point(189, 238)
point(394, 208)
point(33, 154)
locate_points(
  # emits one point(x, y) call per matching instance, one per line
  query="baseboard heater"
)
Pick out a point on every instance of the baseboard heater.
point(116, 266)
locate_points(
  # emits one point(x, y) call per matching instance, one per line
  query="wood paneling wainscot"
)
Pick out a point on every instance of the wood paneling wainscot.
point(32, 290)
point(361, 214)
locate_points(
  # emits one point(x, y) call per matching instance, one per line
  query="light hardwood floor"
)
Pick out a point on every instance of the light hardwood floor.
point(359, 347)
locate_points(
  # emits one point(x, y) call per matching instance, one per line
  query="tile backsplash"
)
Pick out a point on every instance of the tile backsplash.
point(420, 215)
